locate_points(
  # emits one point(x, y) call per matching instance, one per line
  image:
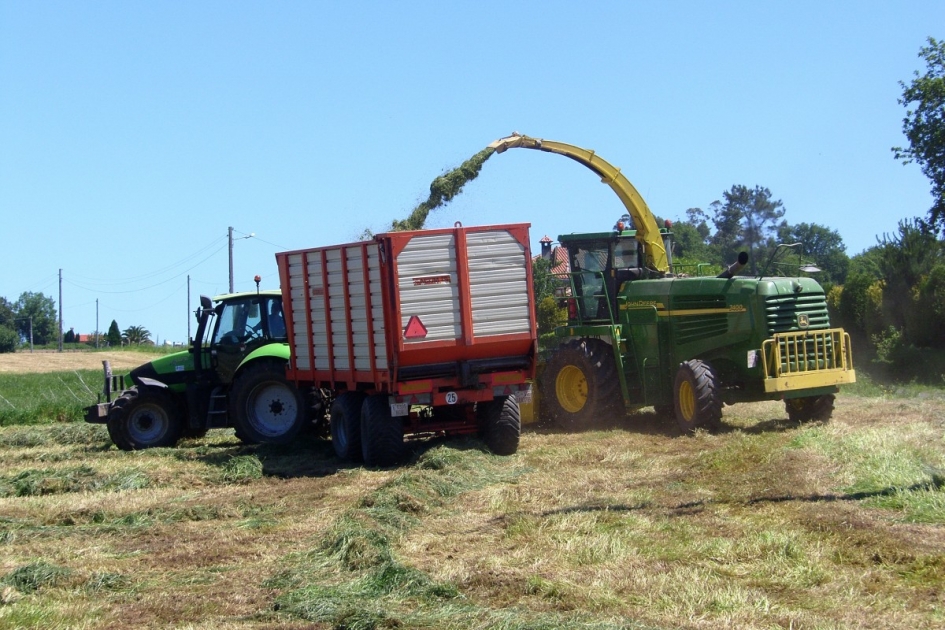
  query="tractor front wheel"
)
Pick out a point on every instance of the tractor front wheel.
point(580, 387)
point(266, 407)
point(697, 401)
point(144, 419)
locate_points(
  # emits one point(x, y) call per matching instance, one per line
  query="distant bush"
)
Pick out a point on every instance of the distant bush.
point(9, 340)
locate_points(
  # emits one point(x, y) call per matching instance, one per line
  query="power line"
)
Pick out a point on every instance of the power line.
point(114, 281)
point(157, 284)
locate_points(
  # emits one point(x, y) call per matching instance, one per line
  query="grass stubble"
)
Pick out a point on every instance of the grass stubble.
point(765, 524)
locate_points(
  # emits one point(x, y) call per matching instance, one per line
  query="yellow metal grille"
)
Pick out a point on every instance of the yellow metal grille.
point(808, 358)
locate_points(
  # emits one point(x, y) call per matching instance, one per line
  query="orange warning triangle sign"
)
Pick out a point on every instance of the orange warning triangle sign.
point(415, 329)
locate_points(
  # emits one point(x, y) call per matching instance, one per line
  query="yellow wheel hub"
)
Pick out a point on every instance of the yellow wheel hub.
point(687, 400)
point(571, 389)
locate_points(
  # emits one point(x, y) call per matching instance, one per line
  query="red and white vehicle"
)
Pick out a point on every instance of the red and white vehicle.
point(429, 331)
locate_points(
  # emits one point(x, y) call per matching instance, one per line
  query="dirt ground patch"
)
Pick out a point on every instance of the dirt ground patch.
point(52, 361)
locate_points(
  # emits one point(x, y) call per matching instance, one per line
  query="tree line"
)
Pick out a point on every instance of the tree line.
point(34, 317)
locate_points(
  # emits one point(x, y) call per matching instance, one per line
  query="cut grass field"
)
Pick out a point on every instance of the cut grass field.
point(765, 524)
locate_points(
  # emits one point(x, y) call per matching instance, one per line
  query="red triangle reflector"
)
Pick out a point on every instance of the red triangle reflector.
point(415, 329)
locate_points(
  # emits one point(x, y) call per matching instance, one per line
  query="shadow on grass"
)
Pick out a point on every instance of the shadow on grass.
point(695, 507)
point(651, 423)
point(306, 456)
point(642, 422)
point(311, 456)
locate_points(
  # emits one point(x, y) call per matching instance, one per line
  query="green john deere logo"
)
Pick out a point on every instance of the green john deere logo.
point(803, 321)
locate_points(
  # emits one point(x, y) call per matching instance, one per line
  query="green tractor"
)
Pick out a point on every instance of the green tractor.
point(233, 375)
point(639, 334)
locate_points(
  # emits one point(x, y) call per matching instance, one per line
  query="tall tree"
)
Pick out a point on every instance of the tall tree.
point(7, 313)
point(42, 310)
point(747, 218)
point(909, 259)
point(822, 246)
point(113, 337)
point(924, 125)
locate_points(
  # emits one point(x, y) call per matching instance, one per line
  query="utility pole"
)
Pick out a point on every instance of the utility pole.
point(188, 308)
point(96, 324)
point(60, 310)
point(230, 240)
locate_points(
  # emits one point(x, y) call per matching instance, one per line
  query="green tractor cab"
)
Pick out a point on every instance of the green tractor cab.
point(233, 375)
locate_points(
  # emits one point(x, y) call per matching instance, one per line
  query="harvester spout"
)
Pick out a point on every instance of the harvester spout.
point(736, 266)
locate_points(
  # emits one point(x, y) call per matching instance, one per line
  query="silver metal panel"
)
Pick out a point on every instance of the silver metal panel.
point(427, 283)
point(498, 283)
point(354, 314)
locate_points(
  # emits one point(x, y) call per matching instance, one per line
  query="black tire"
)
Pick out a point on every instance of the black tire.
point(810, 408)
point(382, 435)
point(345, 425)
point(501, 424)
point(144, 419)
point(266, 408)
point(696, 397)
point(579, 387)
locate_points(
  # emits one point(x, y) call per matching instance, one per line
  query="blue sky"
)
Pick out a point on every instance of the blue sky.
point(133, 134)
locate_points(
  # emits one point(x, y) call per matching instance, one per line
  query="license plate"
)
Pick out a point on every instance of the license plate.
point(399, 409)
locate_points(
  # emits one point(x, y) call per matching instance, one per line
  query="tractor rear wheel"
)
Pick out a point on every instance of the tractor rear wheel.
point(810, 408)
point(382, 435)
point(345, 425)
point(266, 407)
point(579, 387)
point(501, 423)
point(144, 419)
point(697, 400)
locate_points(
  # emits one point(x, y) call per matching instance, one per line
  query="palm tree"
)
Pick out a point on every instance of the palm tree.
point(136, 335)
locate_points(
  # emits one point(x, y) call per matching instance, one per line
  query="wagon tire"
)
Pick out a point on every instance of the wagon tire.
point(345, 425)
point(501, 422)
point(382, 435)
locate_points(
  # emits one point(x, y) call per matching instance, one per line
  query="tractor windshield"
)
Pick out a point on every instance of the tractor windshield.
point(238, 323)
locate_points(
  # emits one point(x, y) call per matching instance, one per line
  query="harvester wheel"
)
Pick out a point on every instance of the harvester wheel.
point(501, 424)
point(144, 419)
point(345, 425)
point(266, 407)
point(810, 408)
point(382, 435)
point(579, 387)
point(697, 400)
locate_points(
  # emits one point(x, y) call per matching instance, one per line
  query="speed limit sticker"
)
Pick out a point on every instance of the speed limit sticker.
point(451, 398)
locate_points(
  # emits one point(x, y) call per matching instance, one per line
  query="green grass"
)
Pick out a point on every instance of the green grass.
point(47, 398)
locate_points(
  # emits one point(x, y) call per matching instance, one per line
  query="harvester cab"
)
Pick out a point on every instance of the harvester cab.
point(600, 263)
